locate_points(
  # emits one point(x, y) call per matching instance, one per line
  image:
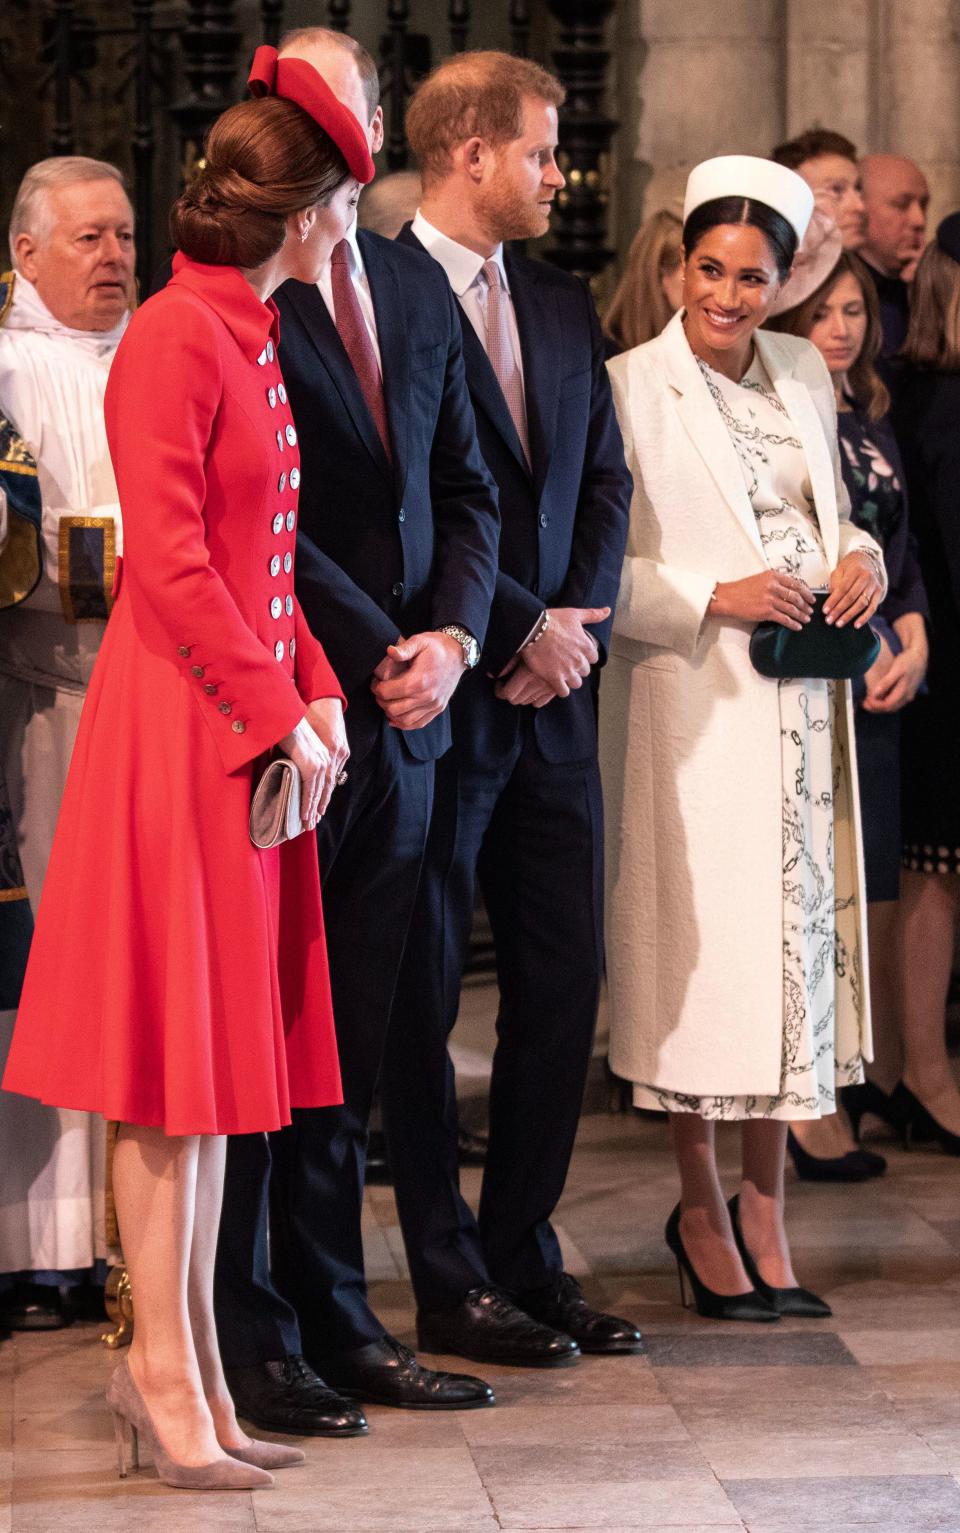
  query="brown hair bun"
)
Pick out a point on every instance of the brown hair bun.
point(264, 160)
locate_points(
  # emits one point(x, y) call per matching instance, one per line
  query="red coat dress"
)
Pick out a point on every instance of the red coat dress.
point(178, 976)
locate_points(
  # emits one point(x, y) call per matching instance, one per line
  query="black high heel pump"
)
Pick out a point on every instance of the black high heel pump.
point(919, 1124)
point(798, 1302)
point(855, 1166)
point(713, 1306)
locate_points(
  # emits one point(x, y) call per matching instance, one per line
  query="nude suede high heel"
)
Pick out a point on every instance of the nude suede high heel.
point(267, 1455)
point(131, 1420)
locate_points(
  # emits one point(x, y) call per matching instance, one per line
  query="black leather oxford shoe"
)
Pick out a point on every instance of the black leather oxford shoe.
point(287, 1396)
point(563, 1306)
point(386, 1373)
point(489, 1328)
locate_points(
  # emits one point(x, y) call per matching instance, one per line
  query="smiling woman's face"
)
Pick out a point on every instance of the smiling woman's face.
point(730, 279)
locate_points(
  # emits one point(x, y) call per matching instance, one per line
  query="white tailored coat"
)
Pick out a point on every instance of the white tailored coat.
point(690, 734)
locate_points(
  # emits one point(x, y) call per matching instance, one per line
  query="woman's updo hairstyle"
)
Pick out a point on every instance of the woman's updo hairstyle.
point(780, 235)
point(263, 160)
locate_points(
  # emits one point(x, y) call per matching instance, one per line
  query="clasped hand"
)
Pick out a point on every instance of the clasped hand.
point(318, 748)
point(417, 677)
point(778, 597)
point(557, 663)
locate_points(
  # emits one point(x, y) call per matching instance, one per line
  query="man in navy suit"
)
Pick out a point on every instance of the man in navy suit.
point(517, 800)
point(396, 566)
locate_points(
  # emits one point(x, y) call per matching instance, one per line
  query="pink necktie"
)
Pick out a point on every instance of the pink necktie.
point(353, 332)
point(501, 354)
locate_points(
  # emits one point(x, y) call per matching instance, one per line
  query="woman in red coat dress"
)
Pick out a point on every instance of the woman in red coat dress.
point(178, 978)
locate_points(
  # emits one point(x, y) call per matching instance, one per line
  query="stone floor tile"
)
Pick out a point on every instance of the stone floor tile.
point(738, 1386)
point(896, 1348)
point(887, 1453)
point(621, 1506)
point(63, 1429)
point(917, 1382)
point(761, 1346)
point(911, 1500)
point(529, 1425)
point(591, 1464)
point(338, 1507)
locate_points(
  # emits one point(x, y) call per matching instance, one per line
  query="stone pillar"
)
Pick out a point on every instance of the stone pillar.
point(919, 102)
point(832, 56)
point(709, 81)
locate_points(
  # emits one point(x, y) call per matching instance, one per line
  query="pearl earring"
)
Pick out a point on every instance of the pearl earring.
point(303, 235)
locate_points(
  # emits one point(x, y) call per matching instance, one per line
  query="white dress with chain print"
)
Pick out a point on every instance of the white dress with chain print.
point(822, 964)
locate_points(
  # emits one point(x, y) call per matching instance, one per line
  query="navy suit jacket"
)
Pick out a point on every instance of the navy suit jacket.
point(563, 522)
point(385, 549)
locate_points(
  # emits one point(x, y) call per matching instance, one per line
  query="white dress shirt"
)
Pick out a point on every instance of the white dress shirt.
point(360, 281)
point(463, 268)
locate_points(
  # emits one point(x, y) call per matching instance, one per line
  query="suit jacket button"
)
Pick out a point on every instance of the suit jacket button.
point(543, 519)
point(184, 650)
point(210, 689)
point(197, 670)
point(398, 588)
point(402, 515)
point(225, 707)
point(238, 726)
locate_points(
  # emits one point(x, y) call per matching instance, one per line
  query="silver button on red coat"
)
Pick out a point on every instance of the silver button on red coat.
point(262, 358)
point(270, 352)
point(184, 651)
point(278, 522)
point(281, 393)
point(275, 565)
point(280, 440)
point(288, 606)
point(278, 649)
point(294, 477)
point(225, 707)
point(276, 607)
point(287, 563)
point(238, 726)
point(197, 670)
point(290, 435)
point(293, 648)
point(281, 484)
point(291, 520)
point(271, 396)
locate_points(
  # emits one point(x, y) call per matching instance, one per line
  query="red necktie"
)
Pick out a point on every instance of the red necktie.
point(353, 332)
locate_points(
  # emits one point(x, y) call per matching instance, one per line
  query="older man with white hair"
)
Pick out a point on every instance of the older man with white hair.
point(63, 310)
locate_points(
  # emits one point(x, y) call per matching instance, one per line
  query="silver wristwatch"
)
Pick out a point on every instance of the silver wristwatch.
point(469, 645)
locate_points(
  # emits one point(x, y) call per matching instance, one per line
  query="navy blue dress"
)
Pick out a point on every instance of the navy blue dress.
point(873, 474)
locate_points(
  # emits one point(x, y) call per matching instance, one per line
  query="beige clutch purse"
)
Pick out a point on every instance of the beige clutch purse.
point(275, 805)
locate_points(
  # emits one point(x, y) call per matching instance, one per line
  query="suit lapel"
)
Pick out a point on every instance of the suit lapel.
point(705, 427)
point(390, 314)
point(538, 324)
point(311, 310)
point(485, 390)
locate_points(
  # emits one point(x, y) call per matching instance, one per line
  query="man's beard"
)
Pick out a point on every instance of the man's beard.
point(508, 215)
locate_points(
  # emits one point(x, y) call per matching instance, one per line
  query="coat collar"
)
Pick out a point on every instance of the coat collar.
point(228, 293)
point(710, 437)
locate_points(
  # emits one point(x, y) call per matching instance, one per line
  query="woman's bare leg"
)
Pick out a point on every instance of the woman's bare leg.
point(704, 1221)
point(203, 1251)
point(930, 903)
point(761, 1200)
point(154, 1184)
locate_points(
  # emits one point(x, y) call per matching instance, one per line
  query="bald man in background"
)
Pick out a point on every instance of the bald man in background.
point(896, 197)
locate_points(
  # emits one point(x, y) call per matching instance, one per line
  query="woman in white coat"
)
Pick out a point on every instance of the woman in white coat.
point(736, 947)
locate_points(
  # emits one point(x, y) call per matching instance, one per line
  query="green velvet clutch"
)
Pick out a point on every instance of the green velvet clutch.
point(818, 650)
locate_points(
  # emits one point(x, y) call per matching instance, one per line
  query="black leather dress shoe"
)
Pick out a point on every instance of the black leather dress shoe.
point(563, 1306)
point(287, 1396)
point(33, 1307)
point(489, 1328)
point(386, 1373)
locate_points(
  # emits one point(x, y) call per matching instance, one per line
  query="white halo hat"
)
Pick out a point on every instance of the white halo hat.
point(746, 175)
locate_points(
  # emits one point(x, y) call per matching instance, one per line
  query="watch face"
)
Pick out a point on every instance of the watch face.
point(471, 654)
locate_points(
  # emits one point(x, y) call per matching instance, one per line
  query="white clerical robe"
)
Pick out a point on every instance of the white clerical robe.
point(52, 382)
